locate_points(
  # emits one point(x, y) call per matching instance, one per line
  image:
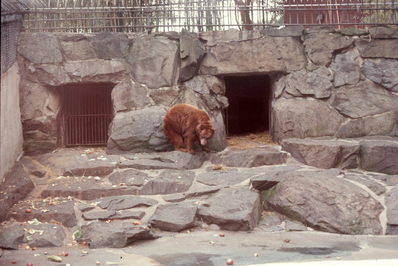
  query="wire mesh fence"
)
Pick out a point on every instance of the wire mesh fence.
point(10, 29)
point(204, 15)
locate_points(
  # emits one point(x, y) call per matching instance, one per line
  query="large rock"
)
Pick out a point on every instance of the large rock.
point(191, 55)
point(174, 217)
point(323, 153)
point(16, 186)
point(232, 209)
point(40, 107)
point(382, 71)
point(125, 202)
point(129, 177)
point(45, 235)
point(271, 175)
point(320, 47)
point(302, 118)
point(253, 157)
point(346, 68)
point(380, 155)
point(156, 67)
point(218, 141)
point(288, 31)
point(166, 160)
point(86, 188)
point(38, 101)
point(60, 210)
point(110, 45)
point(48, 74)
point(129, 95)
point(316, 83)
point(378, 48)
point(138, 131)
point(227, 177)
point(11, 236)
point(384, 124)
point(213, 38)
point(168, 182)
point(364, 99)
point(116, 234)
point(96, 70)
point(383, 32)
point(164, 96)
point(327, 203)
point(268, 54)
point(392, 210)
point(365, 180)
point(40, 48)
point(111, 215)
point(80, 49)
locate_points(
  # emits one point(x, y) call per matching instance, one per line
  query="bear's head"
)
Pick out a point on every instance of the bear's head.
point(204, 131)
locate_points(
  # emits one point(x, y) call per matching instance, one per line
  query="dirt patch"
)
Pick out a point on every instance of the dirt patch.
point(250, 140)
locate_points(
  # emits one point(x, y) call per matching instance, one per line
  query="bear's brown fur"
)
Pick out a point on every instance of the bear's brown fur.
point(185, 124)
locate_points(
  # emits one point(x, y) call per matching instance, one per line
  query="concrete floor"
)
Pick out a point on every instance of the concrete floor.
point(244, 248)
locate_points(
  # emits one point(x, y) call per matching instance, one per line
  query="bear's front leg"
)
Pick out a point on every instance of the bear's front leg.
point(189, 140)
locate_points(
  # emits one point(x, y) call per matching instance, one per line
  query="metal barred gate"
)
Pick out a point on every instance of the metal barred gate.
point(87, 113)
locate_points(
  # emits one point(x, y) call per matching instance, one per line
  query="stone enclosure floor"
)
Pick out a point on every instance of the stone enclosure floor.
point(253, 203)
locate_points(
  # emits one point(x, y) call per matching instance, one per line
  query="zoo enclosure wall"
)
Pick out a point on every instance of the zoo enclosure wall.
point(203, 15)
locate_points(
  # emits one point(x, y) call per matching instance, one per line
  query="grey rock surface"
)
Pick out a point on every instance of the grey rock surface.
point(166, 160)
point(129, 95)
point(300, 118)
point(380, 155)
point(16, 186)
point(31, 47)
point(138, 131)
point(232, 209)
point(346, 68)
point(392, 206)
point(272, 54)
point(378, 48)
point(60, 210)
point(192, 52)
point(129, 177)
point(110, 45)
point(350, 100)
point(270, 176)
point(227, 177)
point(155, 67)
point(168, 182)
point(316, 83)
point(321, 200)
point(252, 157)
point(382, 71)
point(321, 46)
point(174, 217)
point(323, 153)
point(116, 234)
point(125, 202)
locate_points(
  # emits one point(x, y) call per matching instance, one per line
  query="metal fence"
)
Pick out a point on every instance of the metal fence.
point(205, 15)
point(10, 29)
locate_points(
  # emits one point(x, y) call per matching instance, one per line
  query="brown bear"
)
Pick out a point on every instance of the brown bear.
point(185, 124)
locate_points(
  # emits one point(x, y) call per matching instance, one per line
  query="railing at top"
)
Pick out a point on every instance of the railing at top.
point(207, 15)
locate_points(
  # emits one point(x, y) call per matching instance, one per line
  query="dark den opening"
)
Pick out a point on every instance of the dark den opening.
point(249, 104)
point(87, 113)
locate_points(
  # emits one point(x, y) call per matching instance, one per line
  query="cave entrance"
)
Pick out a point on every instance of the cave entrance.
point(249, 104)
point(86, 114)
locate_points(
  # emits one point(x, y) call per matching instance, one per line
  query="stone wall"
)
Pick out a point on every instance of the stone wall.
point(325, 82)
point(10, 123)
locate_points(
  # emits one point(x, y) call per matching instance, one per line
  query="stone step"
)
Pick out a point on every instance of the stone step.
point(377, 154)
